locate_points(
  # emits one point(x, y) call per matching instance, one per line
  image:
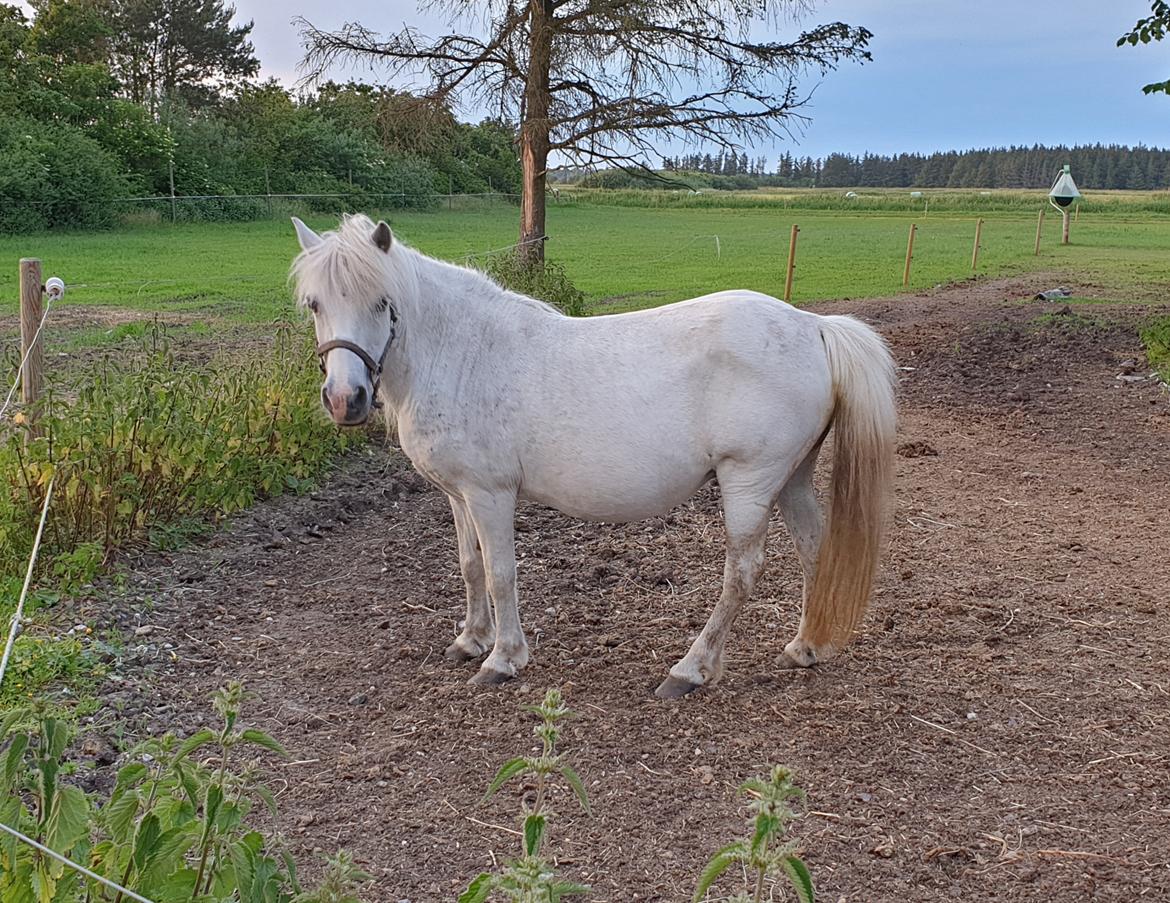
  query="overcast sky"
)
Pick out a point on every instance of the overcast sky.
point(947, 74)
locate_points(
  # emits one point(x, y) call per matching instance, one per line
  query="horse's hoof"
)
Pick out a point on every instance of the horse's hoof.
point(800, 654)
point(456, 653)
point(675, 688)
point(489, 677)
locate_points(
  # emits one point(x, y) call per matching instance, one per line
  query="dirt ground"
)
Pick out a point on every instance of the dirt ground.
point(1000, 730)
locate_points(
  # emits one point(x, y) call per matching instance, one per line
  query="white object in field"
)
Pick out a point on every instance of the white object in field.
point(915, 194)
point(850, 194)
point(55, 289)
point(1064, 189)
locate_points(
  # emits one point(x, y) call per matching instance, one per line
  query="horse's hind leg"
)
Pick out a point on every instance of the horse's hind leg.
point(746, 508)
point(479, 629)
point(805, 521)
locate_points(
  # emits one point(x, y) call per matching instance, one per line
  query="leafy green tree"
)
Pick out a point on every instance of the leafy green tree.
point(40, 78)
point(1152, 28)
point(75, 31)
point(467, 158)
point(179, 50)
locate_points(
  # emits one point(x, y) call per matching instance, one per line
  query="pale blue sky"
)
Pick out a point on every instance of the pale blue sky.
point(946, 73)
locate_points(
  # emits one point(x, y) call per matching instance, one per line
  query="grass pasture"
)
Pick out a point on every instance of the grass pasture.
point(623, 257)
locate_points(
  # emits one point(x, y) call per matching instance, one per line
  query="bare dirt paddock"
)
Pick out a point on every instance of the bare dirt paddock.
point(1000, 731)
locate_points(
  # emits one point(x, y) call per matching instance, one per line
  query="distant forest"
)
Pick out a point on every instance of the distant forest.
point(1097, 166)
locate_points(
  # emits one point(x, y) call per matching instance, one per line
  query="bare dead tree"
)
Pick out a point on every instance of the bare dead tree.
point(601, 81)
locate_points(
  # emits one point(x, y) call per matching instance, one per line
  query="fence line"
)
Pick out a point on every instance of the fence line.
point(15, 628)
point(292, 196)
point(518, 244)
point(24, 361)
point(73, 865)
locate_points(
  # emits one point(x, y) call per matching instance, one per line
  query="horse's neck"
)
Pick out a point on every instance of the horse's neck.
point(459, 332)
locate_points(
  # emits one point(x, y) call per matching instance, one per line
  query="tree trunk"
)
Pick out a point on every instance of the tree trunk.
point(534, 134)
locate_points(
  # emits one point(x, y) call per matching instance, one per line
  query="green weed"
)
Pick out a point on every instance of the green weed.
point(146, 444)
point(147, 449)
point(763, 856)
point(532, 878)
point(174, 828)
point(1156, 338)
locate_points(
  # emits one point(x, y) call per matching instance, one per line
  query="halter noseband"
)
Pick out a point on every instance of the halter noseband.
point(373, 367)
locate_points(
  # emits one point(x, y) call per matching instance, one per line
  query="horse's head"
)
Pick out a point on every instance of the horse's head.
point(347, 281)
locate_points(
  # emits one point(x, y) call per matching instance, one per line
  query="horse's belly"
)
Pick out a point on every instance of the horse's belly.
point(633, 490)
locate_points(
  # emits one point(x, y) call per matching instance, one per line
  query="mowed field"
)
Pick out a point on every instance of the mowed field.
point(623, 257)
point(998, 730)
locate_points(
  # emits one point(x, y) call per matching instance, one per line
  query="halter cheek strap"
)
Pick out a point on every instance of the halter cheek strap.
point(373, 366)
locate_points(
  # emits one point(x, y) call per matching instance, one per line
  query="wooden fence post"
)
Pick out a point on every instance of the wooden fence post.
point(31, 312)
point(1039, 231)
point(791, 263)
point(978, 236)
point(909, 256)
point(1064, 227)
point(174, 212)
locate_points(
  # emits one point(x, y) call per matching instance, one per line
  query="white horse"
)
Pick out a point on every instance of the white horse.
point(499, 397)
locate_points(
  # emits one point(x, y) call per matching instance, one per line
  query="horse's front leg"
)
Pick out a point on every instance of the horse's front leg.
point(479, 629)
point(494, 515)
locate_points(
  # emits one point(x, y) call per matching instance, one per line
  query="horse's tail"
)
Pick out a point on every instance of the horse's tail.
point(864, 418)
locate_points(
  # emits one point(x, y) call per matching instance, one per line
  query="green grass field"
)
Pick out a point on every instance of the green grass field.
point(623, 257)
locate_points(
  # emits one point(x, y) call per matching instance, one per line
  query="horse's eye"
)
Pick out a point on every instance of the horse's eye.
point(313, 305)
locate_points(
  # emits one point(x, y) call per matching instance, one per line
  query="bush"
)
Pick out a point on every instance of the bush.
point(547, 283)
point(54, 176)
point(146, 443)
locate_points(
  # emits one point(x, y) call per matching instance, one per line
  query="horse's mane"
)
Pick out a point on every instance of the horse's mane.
point(349, 263)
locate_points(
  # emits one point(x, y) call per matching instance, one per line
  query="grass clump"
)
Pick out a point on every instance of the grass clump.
point(146, 441)
point(1156, 338)
point(547, 282)
point(146, 448)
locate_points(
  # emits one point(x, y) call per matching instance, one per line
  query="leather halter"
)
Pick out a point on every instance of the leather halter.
point(373, 366)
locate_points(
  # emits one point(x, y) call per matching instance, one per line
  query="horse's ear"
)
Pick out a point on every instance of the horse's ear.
point(306, 236)
point(383, 237)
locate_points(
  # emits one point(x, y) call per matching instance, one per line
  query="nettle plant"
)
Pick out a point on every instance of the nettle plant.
point(532, 878)
point(175, 827)
point(763, 856)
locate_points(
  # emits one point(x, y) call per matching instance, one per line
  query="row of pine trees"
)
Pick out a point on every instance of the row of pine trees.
point(722, 163)
point(1093, 166)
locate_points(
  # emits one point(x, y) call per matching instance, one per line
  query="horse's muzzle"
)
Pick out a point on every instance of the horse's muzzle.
point(348, 409)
